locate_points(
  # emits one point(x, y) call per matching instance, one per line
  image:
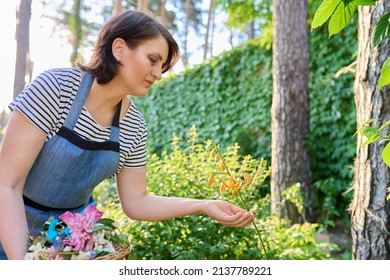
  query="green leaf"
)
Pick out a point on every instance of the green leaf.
point(386, 154)
point(324, 12)
point(372, 133)
point(386, 65)
point(120, 239)
point(341, 17)
point(371, 139)
point(365, 2)
point(107, 224)
point(384, 78)
point(106, 221)
point(101, 254)
point(382, 29)
point(368, 122)
point(384, 125)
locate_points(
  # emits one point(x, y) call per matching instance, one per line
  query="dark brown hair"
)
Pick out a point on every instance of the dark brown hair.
point(134, 27)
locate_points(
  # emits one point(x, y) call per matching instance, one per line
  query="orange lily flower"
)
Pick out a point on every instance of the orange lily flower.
point(229, 184)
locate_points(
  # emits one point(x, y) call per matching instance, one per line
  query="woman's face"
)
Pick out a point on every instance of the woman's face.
point(142, 66)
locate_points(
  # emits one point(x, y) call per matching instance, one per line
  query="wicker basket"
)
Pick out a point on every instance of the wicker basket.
point(121, 251)
point(120, 254)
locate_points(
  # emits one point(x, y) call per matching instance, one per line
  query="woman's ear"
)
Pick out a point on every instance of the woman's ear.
point(118, 48)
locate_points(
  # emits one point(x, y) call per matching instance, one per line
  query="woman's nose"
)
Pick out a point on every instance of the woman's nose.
point(157, 73)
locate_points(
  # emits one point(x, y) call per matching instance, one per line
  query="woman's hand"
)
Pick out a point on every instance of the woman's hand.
point(228, 214)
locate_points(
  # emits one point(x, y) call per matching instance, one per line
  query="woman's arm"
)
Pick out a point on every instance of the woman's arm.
point(19, 149)
point(139, 205)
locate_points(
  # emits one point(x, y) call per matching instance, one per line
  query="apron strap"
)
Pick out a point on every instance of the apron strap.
point(79, 100)
point(44, 208)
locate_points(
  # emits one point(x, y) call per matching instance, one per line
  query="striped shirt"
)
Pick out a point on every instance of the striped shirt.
point(46, 103)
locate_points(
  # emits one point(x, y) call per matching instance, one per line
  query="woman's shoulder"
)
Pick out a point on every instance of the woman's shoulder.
point(133, 117)
point(66, 75)
point(58, 79)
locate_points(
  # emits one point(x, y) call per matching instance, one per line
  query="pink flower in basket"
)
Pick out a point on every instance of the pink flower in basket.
point(81, 225)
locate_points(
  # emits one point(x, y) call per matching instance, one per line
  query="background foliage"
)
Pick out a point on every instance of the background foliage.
point(229, 101)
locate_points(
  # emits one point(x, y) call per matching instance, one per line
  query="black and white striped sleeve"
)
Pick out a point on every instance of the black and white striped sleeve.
point(39, 101)
point(137, 157)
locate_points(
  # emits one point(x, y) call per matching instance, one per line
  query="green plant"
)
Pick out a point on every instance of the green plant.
point(232, 182)
point(184, 172)
point(293, 194)
point(339, 14)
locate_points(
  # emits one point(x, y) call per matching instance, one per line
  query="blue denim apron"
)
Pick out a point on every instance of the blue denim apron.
point(68, 168)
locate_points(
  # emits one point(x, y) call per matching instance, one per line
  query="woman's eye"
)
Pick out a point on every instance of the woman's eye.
point(153, 60)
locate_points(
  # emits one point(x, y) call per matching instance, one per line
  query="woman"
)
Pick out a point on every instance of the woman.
point(71, 128)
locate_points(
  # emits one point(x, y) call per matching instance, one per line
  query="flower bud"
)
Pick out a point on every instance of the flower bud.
point(213, 153)
point(210, 181)
point(222, 188)
point(247, 178)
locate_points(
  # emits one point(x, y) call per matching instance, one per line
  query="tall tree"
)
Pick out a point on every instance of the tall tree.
point(163, 12)
point(118, 8)
point(191, 20)
point(187, 10)
point(290, 106)
point(250, 17)
point(72, 20)
point(370, 209)
point(75, 24)
point(22, 46)
point(142, 5)
point(165, 17)
point(210, 19)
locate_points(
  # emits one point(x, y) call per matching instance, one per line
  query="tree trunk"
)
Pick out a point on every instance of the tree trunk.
point(211, 40)
point(251, 30)
point(231, 38)
point(163, 13)
point(22, 46)
point(208, 26)
point(290, 106)
point(142, 5)
point(75, 27)
point(370, 209)
point(187, 9)
point(118, 8)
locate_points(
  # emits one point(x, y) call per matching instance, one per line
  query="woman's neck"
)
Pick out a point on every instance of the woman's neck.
point(102, 102)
